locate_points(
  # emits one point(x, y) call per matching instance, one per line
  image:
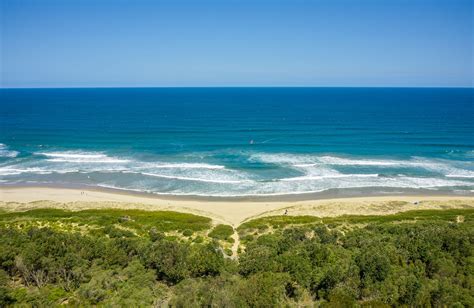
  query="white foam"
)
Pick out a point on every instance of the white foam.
point(198, 194)
point(304, 174)
point(102, 161)
point(469, 176)
point(122, 188)
point(420, 182)
point(306, 160)
point(284, 158)
point(5, 152)
point(72, 155)
point(281, 188)
point(444, 167)
point(414, 162)
point(15, 171)
point(81, 157)
point(307, 163)
point(183, 166)
point(336, 176)
point(98, 157)
point(332, 160)
point(194, 179)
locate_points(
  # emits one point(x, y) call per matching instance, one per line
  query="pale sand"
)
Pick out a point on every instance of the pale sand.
point(229, 212)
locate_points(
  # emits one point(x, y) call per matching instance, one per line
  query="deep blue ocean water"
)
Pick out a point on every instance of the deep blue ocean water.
point(240, 141)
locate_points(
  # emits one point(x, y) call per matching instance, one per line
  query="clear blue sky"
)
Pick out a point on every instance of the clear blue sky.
point(101, 43)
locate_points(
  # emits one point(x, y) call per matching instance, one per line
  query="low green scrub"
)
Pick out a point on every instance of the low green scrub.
point(276, 222)
point(222, 232)
point(418, 215)
point(259, 225)
point(254, 228)
point(137, 221)
point(412, 259)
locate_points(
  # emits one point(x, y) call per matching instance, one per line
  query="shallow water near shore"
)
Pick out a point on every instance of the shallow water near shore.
point(240, 142)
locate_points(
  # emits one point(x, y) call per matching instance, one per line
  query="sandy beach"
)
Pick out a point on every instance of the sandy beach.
point(229, 212)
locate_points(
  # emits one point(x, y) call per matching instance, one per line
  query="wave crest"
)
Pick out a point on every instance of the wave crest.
point(80, 157)
point(5, 152)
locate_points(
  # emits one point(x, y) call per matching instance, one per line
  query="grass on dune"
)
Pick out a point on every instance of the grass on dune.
point(137, 220)
point(277, 222)
point(222, 232)
point(417, 215)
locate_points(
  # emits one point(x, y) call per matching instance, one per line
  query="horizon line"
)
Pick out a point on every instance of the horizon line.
point(243, 86)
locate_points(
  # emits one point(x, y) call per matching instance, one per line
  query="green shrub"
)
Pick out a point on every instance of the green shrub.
point(188, 232)
point(199, 239)
point(222, 232)
point(408, 259)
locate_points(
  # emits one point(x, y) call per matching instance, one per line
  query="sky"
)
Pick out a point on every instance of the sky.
point(347, 43)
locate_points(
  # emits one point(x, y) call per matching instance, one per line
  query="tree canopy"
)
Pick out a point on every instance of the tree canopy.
point(422, 258)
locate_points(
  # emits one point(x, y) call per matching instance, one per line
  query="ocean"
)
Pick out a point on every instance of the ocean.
point(240, 142)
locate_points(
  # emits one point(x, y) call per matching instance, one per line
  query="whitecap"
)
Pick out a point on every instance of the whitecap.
point(306, 163)
point(332, 160)
point(220, 181)
point(444, 167)
point(182, 166)
point(16, 171)
point(81, 157)
point(5, 152)
point(460, 176)
point(284, 158)
point(336, 176)
point(307, 186)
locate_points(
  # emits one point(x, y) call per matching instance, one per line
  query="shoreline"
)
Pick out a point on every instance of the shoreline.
point(222, 211)
point(364, 192)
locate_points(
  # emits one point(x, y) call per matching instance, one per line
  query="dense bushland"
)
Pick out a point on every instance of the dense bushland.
point(132, 258)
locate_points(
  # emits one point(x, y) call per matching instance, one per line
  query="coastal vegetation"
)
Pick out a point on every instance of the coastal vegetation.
point(52, 257)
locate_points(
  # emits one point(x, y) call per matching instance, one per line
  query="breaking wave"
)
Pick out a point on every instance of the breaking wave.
point(250, 174)
point(81, 157)
point(322, 177)
point(5, 152)
point(193, 179)
point(443, 167)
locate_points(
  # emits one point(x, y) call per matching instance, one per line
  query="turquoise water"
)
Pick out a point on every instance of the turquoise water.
point(240, 141)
